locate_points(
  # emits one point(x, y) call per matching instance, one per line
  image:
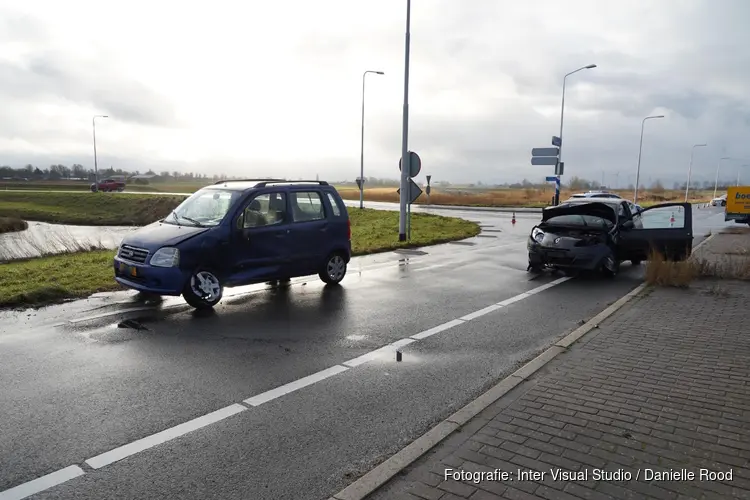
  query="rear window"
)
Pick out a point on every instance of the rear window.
point(580, 220)
point(334, 205)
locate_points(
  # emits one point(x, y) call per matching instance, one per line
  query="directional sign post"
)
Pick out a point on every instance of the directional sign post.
point(414, 191)
point(550, 156)
point(427, 189)
point(415, 164)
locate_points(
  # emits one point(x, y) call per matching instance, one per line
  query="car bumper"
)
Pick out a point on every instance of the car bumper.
point(149, 279)
point(583, 258)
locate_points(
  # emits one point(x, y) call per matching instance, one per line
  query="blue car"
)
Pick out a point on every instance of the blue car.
point(236, 233)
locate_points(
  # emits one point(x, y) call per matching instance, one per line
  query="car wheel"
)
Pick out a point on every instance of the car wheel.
point(203, 290)
point(610, 266)
point(723, 203)
point(534, 268)
point(334, 269)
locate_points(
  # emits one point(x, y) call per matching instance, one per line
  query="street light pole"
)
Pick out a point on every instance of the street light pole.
point(562, 115)
point(738, 175)
point(716, 181)
point(96, 169)
point(640, 150)
point(690, 168)
point(405, 167)
point(362, 144)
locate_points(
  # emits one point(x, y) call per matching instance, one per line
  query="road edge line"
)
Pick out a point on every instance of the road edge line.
point(385, 471)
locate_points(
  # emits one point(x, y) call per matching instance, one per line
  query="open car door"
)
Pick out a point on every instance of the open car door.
point(666, 228)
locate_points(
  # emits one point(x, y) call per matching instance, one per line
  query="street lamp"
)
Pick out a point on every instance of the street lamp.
point(562, 114)
point(738, 175)
point(405, 167)
point(640, 150)
point(96, 169)
point(716, 181)
point(690, 168)
point(362, 144)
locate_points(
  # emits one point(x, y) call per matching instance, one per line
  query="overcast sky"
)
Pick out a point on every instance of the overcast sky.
point(261, 88)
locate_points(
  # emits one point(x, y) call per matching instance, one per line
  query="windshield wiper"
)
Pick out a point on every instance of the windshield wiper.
point(192, 220)
point(177, 219)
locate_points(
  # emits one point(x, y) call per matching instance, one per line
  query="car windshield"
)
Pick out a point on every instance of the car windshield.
point(204, 208)
point(579, 220)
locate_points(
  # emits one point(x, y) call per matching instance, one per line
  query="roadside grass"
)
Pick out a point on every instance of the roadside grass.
point(662, 272)
point(69, 269)
point(90, 209)
point(469, 196)
point(12, 224)
point(52, 279)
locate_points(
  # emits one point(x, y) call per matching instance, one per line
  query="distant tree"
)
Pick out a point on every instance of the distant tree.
point(657, 187)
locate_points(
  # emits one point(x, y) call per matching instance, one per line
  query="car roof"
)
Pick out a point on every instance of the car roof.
point(592, 199)
point(247, 184)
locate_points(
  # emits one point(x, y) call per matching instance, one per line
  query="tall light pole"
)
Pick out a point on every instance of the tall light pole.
point(362, 144)
point(562, 114)
point(716, 181)
point(738, 175)
point(690, 168)
point(405, 167)
point(640, 150)
point(96, 169)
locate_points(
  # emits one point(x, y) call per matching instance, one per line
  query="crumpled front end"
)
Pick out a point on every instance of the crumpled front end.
point(568, 249)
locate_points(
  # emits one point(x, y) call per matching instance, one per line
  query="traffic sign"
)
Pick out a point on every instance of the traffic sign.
point(415, 164)
point(544, 160)
point(414, 191)
point(427, 190)
point(360, 181)
point(545, 151)
point(428, 179)
point(556, 141)
point(551, 178)
point(559, 168)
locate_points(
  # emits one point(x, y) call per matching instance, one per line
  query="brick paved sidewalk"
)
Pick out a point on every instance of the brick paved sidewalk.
point(663, 384)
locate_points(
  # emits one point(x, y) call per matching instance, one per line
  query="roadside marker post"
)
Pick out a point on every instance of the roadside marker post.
point(412, 189)
point(550, 156)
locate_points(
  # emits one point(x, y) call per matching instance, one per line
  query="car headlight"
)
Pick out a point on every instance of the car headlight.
point(537, 235)
point(166, 257)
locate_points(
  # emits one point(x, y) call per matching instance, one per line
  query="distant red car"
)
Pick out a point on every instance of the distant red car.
point(108, 185)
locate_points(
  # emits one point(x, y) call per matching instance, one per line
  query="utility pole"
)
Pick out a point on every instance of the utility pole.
point(405, 166)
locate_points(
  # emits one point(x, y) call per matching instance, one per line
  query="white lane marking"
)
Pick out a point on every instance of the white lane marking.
point(42, 483)
point(511, 300)
point(401, 343)
point(481, 312)
point(296, 385)
point(369, 356)
point(127, 450)
point(437, 329)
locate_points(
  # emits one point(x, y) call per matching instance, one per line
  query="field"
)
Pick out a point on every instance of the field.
point(531, 197)
point(53, 278)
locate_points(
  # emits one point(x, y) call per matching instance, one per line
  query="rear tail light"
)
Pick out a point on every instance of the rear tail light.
point(349, 229)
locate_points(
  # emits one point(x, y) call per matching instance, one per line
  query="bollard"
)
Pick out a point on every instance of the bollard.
point(398, 355)
point(513, 220)
point(671, 220)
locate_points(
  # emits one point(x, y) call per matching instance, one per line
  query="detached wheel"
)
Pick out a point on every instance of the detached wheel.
point(333, 270)
point(203, 290)
point(610, 266)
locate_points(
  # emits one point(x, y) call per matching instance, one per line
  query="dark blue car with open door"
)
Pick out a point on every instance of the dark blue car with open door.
point(236, 233)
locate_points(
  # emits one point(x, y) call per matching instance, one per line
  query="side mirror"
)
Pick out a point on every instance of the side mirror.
point(628, 224)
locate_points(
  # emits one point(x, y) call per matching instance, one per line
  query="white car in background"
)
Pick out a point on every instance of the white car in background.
point(721, 201)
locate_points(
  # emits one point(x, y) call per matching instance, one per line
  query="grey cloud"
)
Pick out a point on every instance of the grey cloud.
point(50, 75)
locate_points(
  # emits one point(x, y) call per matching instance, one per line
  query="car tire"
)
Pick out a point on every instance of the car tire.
point(333, 269)
point(610, 266)
point(534, 268)
point(203, 289)
point(723, 203)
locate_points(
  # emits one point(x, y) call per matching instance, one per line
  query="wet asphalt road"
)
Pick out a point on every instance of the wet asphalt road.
point(76, 385)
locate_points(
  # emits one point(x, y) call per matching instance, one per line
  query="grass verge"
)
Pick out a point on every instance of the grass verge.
point(90, 209)
point(12, 225)
point(662, 272)
point(81, 270)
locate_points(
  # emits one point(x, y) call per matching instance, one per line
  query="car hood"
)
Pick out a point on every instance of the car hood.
point(160, 234)
point(595, 209)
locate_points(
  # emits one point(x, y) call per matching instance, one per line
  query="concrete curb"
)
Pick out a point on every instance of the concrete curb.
point(381, 474)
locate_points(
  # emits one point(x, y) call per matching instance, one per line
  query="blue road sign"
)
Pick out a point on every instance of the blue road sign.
point(551, 179)
point(556, 141)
